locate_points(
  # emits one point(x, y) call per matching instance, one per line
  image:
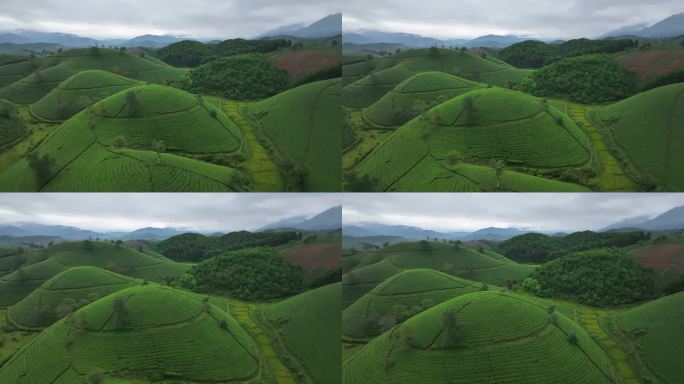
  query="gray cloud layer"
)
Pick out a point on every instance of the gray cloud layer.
point(471, 18)
point(129, 18)
point(128, 211)
point(538, 211)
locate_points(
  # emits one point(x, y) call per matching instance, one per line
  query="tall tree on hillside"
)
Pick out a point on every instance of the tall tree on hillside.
point(158, 146)
point(469, 110)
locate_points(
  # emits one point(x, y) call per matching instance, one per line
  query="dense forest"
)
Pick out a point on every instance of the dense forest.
point(536, 54)
point(585, 79)
point(247, 274)
point(195, 247)
point(243, 77)
point(190, 53)
point(540, 248)
point(600, 277)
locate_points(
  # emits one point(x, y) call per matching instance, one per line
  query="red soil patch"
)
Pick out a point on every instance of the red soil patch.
point(652, 63)
point(320, 257)
point(662, 258)
point(307, 61)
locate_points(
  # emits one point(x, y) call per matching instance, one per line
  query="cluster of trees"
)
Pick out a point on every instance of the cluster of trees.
point(196, 247)
point(331, 72)
point(248, 274)
point(585, 79)
point(676, 76)
point(190, 53)
point(540, 248)
point(600, 277)
point(536, 54)
point(243, 77)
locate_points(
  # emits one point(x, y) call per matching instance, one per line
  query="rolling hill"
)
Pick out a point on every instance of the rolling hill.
point(482, 337)
point(648, 128)
point(391, 71)
point(31, 80)
point(65, 292)
point(309, 325)
point(302, 124)
point(78, 92)
point(432, 152)
point(39, 266)
point(155, 332)
point(109, 147)
point(374, 267)
point(655, 327)
point(400, 296)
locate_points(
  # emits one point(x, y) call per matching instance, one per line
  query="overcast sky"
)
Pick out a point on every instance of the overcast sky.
point(129, 211)
point(535, 18)
point(129, 18)
point(535, 211)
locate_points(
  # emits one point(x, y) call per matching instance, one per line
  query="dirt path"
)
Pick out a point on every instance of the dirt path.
point(266, 173)
point(241, 312)
point(612, 177)
point(588, 318)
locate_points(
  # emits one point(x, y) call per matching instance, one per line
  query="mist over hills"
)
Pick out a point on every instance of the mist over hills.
point(330, 219)
point(671, 26)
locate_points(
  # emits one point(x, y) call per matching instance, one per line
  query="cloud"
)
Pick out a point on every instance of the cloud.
point(130, 211)
point(536, 18)
point(537, 211)
point(129, 18)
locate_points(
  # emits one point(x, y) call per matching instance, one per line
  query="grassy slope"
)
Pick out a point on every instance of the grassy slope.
point(500, 338)
point(311, 330)
point(649, 128)
point(45, 264)
point(304, 124)
point(166, 331)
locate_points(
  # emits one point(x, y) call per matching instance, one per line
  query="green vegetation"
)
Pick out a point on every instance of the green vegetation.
point(676, 76)
point(243, 77)
point(475, 337)
point(536, 54)
point(37, 267)
point(65, 293)
point(249, 274)
point(154, 332)
point(303, 127)
point(309, 325)
point(190, 53)
point(585, 79)
point(78, 93)
point(11, 126)
point(655, 330)
point(399, 298)
point(599, 277)
point(196, 247)
point(648, 129)
point(539, 248)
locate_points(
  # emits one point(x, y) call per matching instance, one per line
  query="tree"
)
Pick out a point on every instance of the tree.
point(120, 313)
point(42, 167)
point(450, 327)
point(572, 338)
point(158, 146)
point(498, 166)
point(187, 281)
point(132, 102)
point(95, 376)
point(531, 285)
point(469, 110)
point(434, 51)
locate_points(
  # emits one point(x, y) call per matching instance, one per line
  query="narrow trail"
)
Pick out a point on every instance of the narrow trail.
point(589, 320)
point(266, 173)
point(241, 312)
point(612, 177)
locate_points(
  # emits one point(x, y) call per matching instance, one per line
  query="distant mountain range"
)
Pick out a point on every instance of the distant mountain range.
point(671, 26)
point(330, 219)
point(673, 219)
point(328, 26)
point(416, 233)
point(418, 41)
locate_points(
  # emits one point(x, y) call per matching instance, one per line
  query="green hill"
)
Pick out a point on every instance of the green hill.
point(414, 96)
point(11, 126)
point(45, 264)
point(656, 328)
point(399, 297)
point(78, 92)
point(158, 332)
point(482, 337)
point(40, 76)
point(433, 152)
point(304, 126)
point(309, 324)
point(390, 72)
point(109, 147)
point(65, 292)
point(377, 266)
point(649, 128)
